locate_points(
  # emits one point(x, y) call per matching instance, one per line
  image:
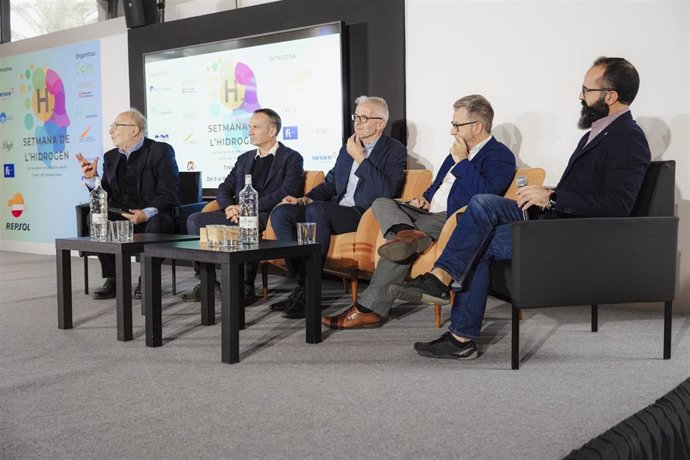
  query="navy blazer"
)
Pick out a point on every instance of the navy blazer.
point(382, 174)
point(157, 174)
point(285, 177)
point(603, 178)
point(491, 170)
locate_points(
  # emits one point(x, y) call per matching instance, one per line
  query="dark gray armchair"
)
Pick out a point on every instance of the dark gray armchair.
point(191, 202)
point(571, 262)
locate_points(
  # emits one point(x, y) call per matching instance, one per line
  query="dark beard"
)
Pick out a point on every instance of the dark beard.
point(592, 113)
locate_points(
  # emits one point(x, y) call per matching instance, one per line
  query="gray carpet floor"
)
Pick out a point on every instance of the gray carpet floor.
point(79, 393)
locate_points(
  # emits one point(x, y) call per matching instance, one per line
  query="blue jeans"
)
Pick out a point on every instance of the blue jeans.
point(482, 235)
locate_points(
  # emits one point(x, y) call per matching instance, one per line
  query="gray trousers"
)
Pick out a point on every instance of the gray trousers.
point(389, 213)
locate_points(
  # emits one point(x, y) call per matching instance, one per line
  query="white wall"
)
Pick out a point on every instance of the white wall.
point(529, 58)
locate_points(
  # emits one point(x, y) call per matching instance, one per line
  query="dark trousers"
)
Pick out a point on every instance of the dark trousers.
point(160, 223)
point(330, 219)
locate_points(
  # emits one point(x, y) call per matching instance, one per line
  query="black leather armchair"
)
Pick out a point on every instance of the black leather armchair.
point(594, 261)
point(191, 201)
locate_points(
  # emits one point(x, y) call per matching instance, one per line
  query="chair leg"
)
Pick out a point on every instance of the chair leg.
point(354, 286)
point(437, 315)
point(595, 318)
point(264, 279)
point(521, 315)
point(174, 277)
point(86, 274)
point(668, 314)
point(515, 340)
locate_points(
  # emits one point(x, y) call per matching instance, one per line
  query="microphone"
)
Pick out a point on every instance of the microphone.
point(521, 181)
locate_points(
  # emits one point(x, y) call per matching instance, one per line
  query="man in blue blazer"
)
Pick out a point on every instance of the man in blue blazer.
point(369, 166)
point(477, 163)
point(277, 171)
point(602, 179)
point(141, 178)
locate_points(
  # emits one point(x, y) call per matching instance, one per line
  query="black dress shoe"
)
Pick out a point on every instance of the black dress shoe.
point(284, 305)
point(107, 291)
point(136, 294)
point(249, 295)
point(296, 309)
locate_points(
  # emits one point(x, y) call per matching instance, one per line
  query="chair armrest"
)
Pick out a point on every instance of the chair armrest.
point(596, 260)
point(83, 210)
point(183, 212)
point(211, 206)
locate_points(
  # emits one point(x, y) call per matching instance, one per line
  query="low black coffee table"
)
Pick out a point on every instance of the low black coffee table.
point(123, 273)
point(232, 279)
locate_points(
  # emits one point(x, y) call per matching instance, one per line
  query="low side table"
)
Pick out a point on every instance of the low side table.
point(123, 252)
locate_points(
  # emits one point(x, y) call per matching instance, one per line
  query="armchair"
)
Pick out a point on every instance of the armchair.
point(191, 202)
point(352, 255)
point(570, 262)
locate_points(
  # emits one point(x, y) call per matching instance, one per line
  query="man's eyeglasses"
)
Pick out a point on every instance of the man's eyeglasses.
point(460, 125)
point(117, 125)
point(364, 118)
point(586, 90)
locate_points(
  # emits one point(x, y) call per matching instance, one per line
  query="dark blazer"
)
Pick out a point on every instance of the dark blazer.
point(490, 171)
point(381, 175)
point(603, 178)
point(285, 177)
point(157, 175)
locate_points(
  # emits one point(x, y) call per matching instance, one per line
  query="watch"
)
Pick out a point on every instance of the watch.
point(552, 200)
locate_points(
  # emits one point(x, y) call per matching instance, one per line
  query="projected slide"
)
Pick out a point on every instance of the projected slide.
point(200, 99)
point(50, 110)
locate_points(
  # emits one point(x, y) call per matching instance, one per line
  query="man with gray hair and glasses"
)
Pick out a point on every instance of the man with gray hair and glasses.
point(141, 178)
point(369, 166)
point(477, 163)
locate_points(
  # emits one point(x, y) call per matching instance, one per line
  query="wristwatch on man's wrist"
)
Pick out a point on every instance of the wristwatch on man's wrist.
point(552, 200)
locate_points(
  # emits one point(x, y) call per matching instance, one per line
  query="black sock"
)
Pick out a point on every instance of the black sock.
point(399, 227)
point(362, 308)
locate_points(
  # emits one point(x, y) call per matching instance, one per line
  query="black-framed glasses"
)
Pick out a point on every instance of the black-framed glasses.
point(460, 125)
point(364, 118)
point(586, 90)
point(117, 125)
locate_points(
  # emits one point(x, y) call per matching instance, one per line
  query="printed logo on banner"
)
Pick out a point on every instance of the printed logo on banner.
point(290, 133)
point(325, 157)
point(16, 204)
point(4, 94)
point(8, 170)
point(187, 140)
point(4, 118)
point(233, 87)
point(161, 136)
point(5, 69)
point(190, 166)
point(85, 137)
point(45, 94)
point(7, 145)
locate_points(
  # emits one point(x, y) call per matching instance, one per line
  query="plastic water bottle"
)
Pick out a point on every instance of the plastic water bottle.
point(521, 181)
point(99, 212)
point(249, 213)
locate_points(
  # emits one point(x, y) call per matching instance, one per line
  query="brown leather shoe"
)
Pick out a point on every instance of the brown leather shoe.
point(405, 244)
point(352, 318)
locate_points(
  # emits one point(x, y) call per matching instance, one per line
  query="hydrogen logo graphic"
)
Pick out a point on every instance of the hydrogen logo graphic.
point(16, 204)
point(45, 94)
point(290, 133)
point(233, 87)
point(8, 170)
